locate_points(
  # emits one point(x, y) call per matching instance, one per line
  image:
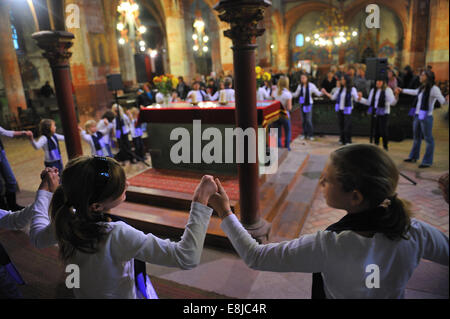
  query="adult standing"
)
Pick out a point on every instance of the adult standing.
point(305, 91)
point(284, 96)
point(329, 83)
point(422, 110)
point(380, 100)
point(7, 173)
point(344, 97)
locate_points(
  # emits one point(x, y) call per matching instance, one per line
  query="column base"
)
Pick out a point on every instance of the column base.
point(260, 230)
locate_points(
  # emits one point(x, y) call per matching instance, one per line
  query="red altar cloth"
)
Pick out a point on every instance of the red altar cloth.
point(207, 112)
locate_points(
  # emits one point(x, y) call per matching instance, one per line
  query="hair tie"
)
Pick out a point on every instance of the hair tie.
point(71, 207)
point(385, 204)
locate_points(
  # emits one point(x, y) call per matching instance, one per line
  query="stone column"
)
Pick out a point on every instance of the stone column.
point(56, 45)
point(437, 50)
point(9, 64)
point(243, 17)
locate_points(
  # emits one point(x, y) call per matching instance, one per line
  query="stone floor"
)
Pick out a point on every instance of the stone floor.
point(224, 273)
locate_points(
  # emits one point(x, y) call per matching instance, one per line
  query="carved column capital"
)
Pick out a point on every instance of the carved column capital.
point(243, 17)
point(56, 45)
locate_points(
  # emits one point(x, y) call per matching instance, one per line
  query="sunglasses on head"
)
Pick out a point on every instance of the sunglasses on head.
point(102, 176)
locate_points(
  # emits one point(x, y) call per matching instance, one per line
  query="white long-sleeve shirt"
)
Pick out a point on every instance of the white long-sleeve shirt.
point(343, 258)
point(200, 94)
point(312, 90)
point(127, 125)
point(88, 139)
point(435, 95)
point(106, 130)
point(42, 142)
point(6, 133)
point(389, 99)
point(335, 95)
point(20, 219)
point(109, 273)
point(263, 94)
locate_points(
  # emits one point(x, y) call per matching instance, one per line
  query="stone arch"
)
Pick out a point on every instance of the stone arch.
point(294, 15)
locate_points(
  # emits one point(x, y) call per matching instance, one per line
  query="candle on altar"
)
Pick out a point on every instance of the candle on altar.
point(223, 98)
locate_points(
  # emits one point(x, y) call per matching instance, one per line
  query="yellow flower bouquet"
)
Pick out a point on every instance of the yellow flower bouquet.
point(262, 76)
point(165, 83)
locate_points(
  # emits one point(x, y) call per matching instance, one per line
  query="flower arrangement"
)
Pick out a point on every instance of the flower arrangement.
point(262, 76)
point(165, 83)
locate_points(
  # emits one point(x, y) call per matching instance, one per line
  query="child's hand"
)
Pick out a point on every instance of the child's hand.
point(205, 189)
point(50, 179)
point(220, 201)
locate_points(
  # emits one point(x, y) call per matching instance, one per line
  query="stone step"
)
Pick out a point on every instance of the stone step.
point(167, 223)
point(292, 214)
point(165, 198)
point(274, 191)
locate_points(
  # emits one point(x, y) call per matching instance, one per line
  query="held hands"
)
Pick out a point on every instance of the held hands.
point(205, 189)
point(49, 180)
point(360, 95)
point(220, 201)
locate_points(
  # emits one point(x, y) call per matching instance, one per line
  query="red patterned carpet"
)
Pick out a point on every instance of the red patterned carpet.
point(181, 181)
point(185, 182)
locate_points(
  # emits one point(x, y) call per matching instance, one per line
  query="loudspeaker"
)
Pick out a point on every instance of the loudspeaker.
point(141, 67)
point(114, 82)
point(376, 69)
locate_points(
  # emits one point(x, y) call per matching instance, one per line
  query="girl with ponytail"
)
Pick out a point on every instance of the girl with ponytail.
point(422, 111)
point(376, 245)
point(105, 250)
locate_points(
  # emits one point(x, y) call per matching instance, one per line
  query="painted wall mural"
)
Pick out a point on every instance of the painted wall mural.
point(385, 42)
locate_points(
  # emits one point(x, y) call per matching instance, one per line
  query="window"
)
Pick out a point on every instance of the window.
point(15, 37)
point(299, 40)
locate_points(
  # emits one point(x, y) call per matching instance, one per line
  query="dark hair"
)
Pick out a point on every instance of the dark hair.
point(78, 228)
point(227, 83)
point(430, 79)
point(348, 82)
point(109, 115)
point(45, 127)
point(371, 171)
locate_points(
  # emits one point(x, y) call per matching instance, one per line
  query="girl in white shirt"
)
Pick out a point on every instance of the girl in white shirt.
point(344, 96)
point(264, 92)
point(284, 96)
point(123, 128)
point(106, 127)
point(94, 138)
point(49, 141)
point(380, 101)
point(103, 250)
point(422, 110)
point(306, 90)
point(370, 253)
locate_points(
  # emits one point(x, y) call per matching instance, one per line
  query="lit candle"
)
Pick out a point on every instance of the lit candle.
point(222, 98)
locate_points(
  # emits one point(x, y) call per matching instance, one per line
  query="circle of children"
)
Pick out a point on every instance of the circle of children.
point(72, 209)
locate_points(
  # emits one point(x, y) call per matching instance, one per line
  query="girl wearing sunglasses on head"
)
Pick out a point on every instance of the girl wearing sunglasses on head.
point(105, 250)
